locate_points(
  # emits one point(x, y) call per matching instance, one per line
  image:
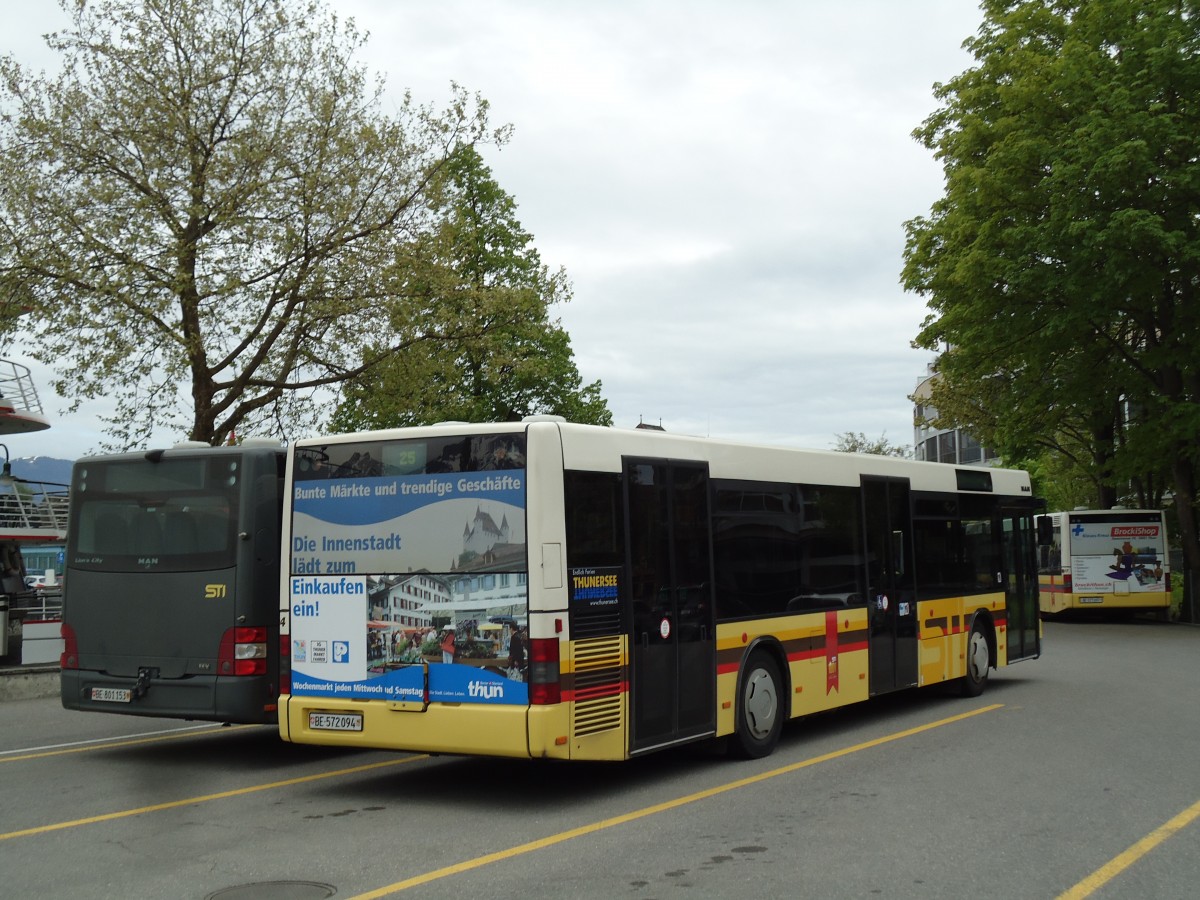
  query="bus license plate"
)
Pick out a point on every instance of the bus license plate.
point(112, 695)
point(1091, 599)
point(319, 721)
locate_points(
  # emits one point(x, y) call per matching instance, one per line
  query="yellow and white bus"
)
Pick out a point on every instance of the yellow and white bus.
point(552, 590)
point(1104, 560)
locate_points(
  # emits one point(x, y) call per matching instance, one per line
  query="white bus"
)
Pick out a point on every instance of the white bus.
point(1104, 560)
point(594, 593)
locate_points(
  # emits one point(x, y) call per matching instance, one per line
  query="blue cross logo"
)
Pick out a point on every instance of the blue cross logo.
point(1077, 530)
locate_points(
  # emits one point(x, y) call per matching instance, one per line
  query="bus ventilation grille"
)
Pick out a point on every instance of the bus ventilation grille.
point(592, 624)
point(599, 677)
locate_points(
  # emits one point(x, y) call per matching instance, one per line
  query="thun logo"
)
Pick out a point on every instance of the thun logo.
point(484, 689)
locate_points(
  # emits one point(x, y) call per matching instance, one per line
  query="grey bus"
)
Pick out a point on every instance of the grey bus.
point(171, 583)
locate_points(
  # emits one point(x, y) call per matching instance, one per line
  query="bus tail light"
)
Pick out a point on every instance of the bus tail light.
point(1167, 582)
point(70, 654)
point(243, 651)
point(544, 687)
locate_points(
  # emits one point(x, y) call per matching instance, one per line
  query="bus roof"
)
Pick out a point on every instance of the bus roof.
point(600, 448)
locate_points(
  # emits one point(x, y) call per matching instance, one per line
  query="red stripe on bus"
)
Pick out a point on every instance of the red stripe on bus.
point(608, 690)
point(603, 690)
point(733, 666)
point(819, 652)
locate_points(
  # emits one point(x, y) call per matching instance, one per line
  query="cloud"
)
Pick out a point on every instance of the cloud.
point(725, 185)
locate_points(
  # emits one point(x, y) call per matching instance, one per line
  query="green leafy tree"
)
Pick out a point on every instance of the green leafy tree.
point(208, 212)
point(1061, 263)
point(1060, 481)
point(1026, 420)
point(857, 442)
point(512, 358)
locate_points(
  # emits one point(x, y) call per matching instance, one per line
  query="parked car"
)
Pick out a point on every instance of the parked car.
point(38, 583)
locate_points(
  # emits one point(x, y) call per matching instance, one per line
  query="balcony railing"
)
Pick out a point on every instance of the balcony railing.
point(16, 388)
point(20, 406)
point(33, 508)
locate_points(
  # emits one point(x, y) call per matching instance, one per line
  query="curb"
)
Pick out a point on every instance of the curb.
point(29, 683)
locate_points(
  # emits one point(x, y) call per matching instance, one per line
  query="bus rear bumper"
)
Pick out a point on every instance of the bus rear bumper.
point(246, 700)
point(1065, 602)
point(452, 728)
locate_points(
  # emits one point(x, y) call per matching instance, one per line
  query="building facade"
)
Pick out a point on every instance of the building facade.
point(945, 445)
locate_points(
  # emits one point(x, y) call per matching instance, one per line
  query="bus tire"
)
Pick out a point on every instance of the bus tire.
point(978, 662)
point(760, 708)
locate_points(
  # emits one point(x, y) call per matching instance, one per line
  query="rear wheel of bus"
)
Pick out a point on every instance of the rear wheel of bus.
point(760, 709)
point(979, 660)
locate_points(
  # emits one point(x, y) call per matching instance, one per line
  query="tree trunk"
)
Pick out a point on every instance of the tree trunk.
point(1189, 537)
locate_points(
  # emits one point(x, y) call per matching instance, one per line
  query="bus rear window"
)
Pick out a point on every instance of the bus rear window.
point(173, 515)
point(452, 503)
point(374, 459)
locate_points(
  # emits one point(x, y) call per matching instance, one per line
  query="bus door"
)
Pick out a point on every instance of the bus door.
point(672, 626)
point(891, 597)
point(1020, 578)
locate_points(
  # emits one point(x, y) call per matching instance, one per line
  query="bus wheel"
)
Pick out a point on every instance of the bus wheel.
point(760, 708)
point(978, 660)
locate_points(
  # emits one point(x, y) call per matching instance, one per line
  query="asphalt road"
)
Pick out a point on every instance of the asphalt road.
point(1073, 775)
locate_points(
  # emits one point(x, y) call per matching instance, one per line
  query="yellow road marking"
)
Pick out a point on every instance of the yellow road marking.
point(1123, 861)
point(633, 816)
point(222, 795)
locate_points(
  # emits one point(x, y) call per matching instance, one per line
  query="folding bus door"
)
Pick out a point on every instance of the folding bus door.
point(1021, 584)
point(673, 635)
point(891, 597)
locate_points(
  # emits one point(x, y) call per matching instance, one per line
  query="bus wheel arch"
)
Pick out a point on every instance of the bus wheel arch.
point(981, 655)
point(761, 702)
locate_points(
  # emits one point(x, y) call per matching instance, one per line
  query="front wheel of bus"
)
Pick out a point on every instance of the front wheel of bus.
point(760, 708)
point(978, 663)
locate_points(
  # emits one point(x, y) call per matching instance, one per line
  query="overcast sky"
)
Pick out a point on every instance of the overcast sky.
point(724, 183)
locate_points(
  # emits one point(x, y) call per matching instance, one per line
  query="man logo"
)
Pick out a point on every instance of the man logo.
point(341, 651)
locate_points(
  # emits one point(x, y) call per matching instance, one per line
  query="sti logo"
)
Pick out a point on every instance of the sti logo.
point(341, 651)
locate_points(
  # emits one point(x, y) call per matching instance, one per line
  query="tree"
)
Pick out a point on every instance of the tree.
point(481, 263)
point(207, 211)
point(1061, 263)
point(1060, 481)
point(1025, 420)
point(857, 442)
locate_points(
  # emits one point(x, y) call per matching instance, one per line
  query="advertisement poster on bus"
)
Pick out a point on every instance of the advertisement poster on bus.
point(1116, 557)
point(396, 574)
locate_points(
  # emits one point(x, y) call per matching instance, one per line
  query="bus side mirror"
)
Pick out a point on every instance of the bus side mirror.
point(1045, 531)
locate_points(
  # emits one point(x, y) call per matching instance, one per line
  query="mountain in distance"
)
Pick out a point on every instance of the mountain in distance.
point(43, 468)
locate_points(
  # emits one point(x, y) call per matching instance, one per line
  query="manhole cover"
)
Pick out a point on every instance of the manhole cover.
point(276, 890)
